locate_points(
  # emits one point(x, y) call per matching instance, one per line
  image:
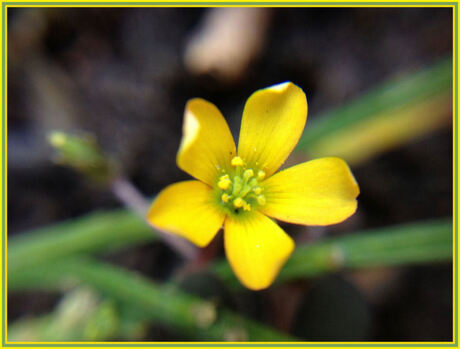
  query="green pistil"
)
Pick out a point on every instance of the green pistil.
point(237, 185)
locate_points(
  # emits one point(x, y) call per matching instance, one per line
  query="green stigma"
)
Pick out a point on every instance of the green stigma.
point(241, 190)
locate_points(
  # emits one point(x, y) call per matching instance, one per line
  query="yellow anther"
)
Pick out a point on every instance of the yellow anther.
point(260, 175)
point(248, 174)
point(224, 183)
point(246, 207)
point(257, 190)
point(225, 176)
point(238, 202)
point(261, 200)
point(237, 161)
point(225, 197)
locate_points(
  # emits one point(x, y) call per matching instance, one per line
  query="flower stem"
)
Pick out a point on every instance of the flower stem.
point(128, 194)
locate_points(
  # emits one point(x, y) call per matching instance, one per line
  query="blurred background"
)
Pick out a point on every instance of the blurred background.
point(378, 83)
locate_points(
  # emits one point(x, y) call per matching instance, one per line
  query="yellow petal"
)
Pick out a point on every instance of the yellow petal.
point(207, 144)
point(186, 209)
point(273, 121)
point(317, 192)
point(256, 248)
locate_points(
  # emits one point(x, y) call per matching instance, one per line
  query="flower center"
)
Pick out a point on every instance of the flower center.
point(241, 190)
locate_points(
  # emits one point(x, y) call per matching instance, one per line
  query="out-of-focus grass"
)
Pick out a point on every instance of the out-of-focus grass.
point(425, 242)
point(421, 242)
point(96, 232)
point(80, 315)
point(166, 304)
point(390, 115)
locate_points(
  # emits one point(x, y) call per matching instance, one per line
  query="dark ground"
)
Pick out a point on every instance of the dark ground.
point(118, 73)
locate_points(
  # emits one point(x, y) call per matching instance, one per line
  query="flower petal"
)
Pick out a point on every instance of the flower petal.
point(317, 192)
point(273, 121)
point(256, 248)
point(207, 144)
point(186, 209)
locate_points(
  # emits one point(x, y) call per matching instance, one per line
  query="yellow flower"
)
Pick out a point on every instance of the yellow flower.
point(240, 189)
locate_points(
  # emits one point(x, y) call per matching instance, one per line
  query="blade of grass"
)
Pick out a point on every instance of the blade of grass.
point(166, 304)
point(419, 242)
point(80, 315)
point(390, 115)
point(422, 242)
point(96, 232)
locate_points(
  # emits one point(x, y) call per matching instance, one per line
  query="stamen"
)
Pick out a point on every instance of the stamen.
point(224, 183)
point(248, 174)
point(225, 197)
point(260, 175)
point(261, 200)
point(246, 207)
point(237, 161)
point(239, 202)
point(257, 190)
